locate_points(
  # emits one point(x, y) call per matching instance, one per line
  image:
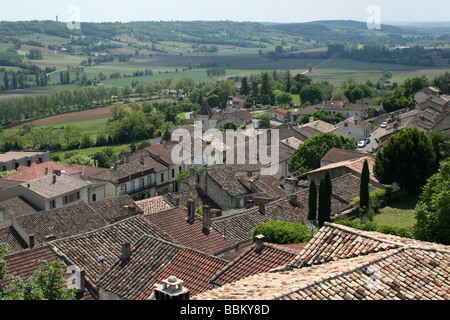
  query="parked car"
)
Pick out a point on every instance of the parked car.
point(384, 124)
point(362, 143)
point(367, 140)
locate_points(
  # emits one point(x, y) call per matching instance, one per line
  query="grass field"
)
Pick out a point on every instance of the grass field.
point(339, 70)
point(400, 214)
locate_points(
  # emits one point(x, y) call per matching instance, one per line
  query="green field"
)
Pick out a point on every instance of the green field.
point(339, 70)
point(400, 214)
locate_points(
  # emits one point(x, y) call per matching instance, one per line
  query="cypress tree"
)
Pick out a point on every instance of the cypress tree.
point(312, 204)
point(364, 187)
point(322, 203)
point(329, 189)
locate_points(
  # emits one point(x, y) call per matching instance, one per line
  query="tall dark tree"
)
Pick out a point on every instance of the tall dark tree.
point(364, 187)
point(322, 212)
point(245, 89)
point(312, 203)
point(6, 81)
point(329, 188)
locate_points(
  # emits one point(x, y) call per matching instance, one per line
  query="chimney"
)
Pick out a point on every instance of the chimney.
point(311, 119)
point(54, 179)
point(31, 241)
point(126, 252)
point(262, 208)
point(249, 174)
point(171, 289)
point(46, 171)
point(191, 211)
point(102, 265)
point(82, 280)
point(290, 186)
point(294, 200)
point(142, 160)
point(250, 203)
point(177, 202)
point(206, 219)
point(259, 243)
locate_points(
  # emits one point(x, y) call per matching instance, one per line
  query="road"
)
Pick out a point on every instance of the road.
point(377, 133)
point(319, 65)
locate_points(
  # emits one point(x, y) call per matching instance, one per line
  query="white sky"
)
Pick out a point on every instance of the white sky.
point(235, 10)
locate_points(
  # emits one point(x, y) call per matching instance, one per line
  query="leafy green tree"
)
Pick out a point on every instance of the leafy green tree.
point(407, 158)
point(264, 122)
point(311, 94)
point(441, 145)
point(284, 99)
point(312, 201)
point(355, 91)
point(307, 157)
point(230, 125)
point(80, 159)
point(48, 283)
point(364, 187)
point(432, 213)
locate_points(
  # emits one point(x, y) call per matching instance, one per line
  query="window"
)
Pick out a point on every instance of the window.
point(141, 184)
point(162, 177)
point(77, 195)
point(28, 163)
point(132, 186)
point(52, 204)
point(94, 197)
point(173, 173)
point(123, 189)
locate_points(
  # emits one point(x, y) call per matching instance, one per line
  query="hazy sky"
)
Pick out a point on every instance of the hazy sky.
point(235, 10)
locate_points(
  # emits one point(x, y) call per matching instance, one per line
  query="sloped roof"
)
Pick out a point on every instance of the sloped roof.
point(116, 208)
point(344, 263)
point(23, 264)
point(160, 150)
point(153, 260)
point(16, 207)
point(64, 184)
point(61, 223)
point(251, 262)
point(11, 240)
point(122, 171)
point(320, 125)
point(225, 176)
point(154, 205)
point(83, 250)
point(173, 222)
point(338, 155)
point(39, 170)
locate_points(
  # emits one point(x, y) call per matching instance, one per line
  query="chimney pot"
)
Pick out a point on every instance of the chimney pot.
point(259, 243)
point(191, 211)
point(102, 267)
point(262, 208)
point(31, 241)
point(206, 219)
point(171, 289)
point(294, 199)
point(126, 251)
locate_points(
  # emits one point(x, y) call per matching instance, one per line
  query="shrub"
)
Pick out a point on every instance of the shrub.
point(282, 232)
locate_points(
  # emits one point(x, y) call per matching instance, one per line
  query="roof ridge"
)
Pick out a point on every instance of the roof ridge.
point(321, 278)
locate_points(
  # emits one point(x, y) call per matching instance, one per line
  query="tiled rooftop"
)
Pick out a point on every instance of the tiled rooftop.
point(174, 223)
point(153, 260)
point(251, 262)
point(344, 263)
point(338, 155)
point(11, 240)
point(46, 188)
point(153, 205)
point(83, 250)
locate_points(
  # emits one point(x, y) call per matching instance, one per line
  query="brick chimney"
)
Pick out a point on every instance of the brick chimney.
point(31, 241)
point(259, 243)
point(126, 252)
point(171, 289)
point(102, 265)
point(206, 219)
point(191, 211)
point(262, 208)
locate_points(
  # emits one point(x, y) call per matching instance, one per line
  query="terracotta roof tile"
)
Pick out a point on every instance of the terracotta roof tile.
point(154, 205)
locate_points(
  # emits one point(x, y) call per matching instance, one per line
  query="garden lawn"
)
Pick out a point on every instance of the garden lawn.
point(399, 214)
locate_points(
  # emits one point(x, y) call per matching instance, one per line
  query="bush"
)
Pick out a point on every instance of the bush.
point(282, 232)
point(373, 226)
